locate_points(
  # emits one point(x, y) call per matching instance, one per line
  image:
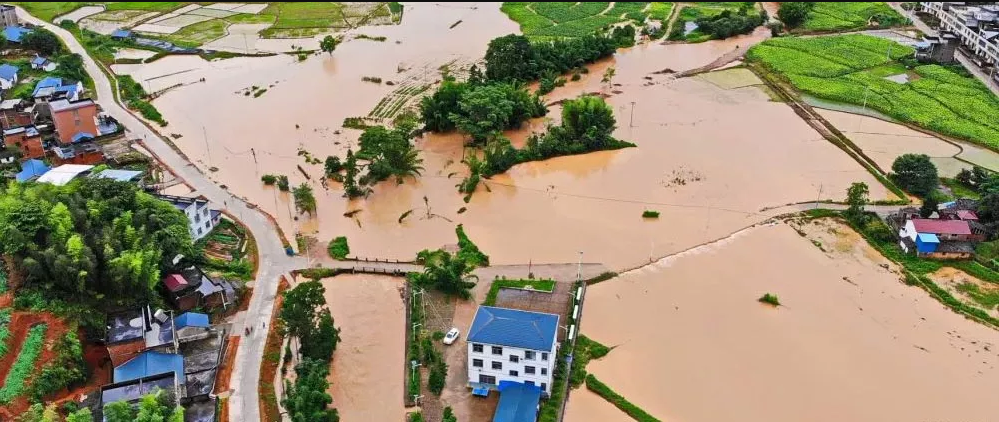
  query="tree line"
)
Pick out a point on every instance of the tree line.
point(384, 153)
point(305, 316)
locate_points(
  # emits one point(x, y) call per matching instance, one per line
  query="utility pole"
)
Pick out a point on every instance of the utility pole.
point(631, 120)
point(579, 267)
point(818, 196)
point(207, 147)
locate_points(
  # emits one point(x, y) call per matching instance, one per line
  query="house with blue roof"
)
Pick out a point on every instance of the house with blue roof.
point(510, 345)
point(15, 33)
point(8, 76)
point(42, 63)
point(30, 170)
point(52, 87)
point(150, 363)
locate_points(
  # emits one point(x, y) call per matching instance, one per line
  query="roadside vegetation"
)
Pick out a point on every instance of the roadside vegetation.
point(338, 248)
point(450, 273)
point(852, 69)
point(586, 350)
point(839, 16)
point(602, 390)
point(305, 316)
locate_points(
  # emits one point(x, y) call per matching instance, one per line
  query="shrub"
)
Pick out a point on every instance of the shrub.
point(438, 335)
point(338, 248)
point(650, 214)
point(594, 385)
point(268, 179)
point(468, 251)
point(438, 375)
point(770, 299)
point(282, 183)
point(373, 79)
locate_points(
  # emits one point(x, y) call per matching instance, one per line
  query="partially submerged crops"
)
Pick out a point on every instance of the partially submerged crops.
point(852, 69)
point(393, 103)
point(546, 20)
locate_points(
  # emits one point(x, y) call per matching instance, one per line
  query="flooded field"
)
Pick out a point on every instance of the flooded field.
point(366, 378)
point(849, 338)
point(709, 157)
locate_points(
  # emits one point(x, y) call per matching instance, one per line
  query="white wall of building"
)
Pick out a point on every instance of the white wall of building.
point(543, 368)
point(199, 220)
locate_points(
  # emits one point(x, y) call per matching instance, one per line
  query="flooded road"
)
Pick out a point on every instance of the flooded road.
point(850, 338)
point(366, 376)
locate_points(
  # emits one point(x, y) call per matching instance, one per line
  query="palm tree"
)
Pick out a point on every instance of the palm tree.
point(448, 274)
point(408, 163)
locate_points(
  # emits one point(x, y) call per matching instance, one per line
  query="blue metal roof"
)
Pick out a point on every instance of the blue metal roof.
point(191, 319)
point(8, 72)
point(928, 238)
point(149, 363)
point(518, 402)
point(39, 60)
point(30, 169)
point(513, 328)
point(79, 136)
point(14, 33)
point(49, 82)
point(121, 33)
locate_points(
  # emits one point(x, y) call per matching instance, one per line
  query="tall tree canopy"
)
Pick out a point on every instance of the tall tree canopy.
point(43, 41)
point(93, 238)
point(304, 315)
point(915, 173)
point(794, 13)
point(307, 399)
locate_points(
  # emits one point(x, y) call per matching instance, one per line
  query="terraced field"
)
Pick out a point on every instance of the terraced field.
point(853, 69)
point(546, 20)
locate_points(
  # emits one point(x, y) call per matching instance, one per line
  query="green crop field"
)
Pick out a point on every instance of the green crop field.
point(852, 69)
point(540, 20)
point(842, 16)
point(24, 365)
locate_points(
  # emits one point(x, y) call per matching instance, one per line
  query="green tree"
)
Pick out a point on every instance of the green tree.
point(794, 13)
point(305, 201)
point(42, 41)
point(306, 400)
point(82, 415)
point(321, 343)
point(437, 379)
point(608, 75)
point(158, 407)
point(449, 415)
point(71, 66)
point(299, 309)
point(328, 44)
point(915, 173)
point(282, 182)
point(483, 112)
point(856, 198)
point(350, 186)
point(119, 411)
point(332, 166)
point(589, 119)
point(979, 176)
point(929, 206)
point(436, 109)
point(446, 273)
point(964, 177)
point(509, 58)
point(988, 208)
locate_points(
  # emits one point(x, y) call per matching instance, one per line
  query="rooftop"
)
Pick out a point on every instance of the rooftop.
point(133, 390)
point(15, 33)
point(65, 105)
point(39, 60)
point(147, 364)
point(191, 319)
point(958, 227)
point(63, 174)
point(8, 72)
point(31, 169)
point(517, 403)
point(513, 328)
point(120, 175)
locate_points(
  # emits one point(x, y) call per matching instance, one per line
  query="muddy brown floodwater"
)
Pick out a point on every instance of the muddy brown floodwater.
point(708, 158)
point(366, 376)
point(851, 342)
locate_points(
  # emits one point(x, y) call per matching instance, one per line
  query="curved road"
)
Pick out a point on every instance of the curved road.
point(243, 403)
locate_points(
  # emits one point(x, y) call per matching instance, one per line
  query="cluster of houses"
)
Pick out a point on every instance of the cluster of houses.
point(971, 28)
point(58, 123)
point(952, 234)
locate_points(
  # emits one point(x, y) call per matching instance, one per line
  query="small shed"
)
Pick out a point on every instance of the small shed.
point(148, 364)
point(31, 169)
point(518, 402)
point(122, 34)
point(927, 243)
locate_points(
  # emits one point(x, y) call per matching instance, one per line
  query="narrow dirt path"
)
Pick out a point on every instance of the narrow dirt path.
point(673, 16)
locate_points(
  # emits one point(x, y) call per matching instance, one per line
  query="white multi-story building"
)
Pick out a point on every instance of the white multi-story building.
point(512, 345)
point(201, 219)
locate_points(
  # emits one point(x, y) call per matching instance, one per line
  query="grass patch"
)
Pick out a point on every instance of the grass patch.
point(338, 248)
point(193, 36)
point(636, 413)
point(545, 285)
point(770, 299)
point(468, 251)
point(850, 68)
point(586, 349)
point(549, 411)
point(601, 278)
point(988, 299)
point(650, 214)
point(4, 331)
point(47, 11)
point(355, 123)
point(149, 6)
point(250, 18)
point(21, 371)
point(959, 189)
point(547, 21)
point(845, 16)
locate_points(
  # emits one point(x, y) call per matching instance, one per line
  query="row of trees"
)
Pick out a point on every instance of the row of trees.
point(304, 315)
point(386, 153)
point(727, 24)
point(512, 58)
point(91, 239)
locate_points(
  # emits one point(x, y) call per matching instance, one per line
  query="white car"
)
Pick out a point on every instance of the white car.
point(451, 336)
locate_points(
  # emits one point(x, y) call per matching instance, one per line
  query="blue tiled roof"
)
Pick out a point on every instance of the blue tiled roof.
point(14, 33)
point(39, 60)
point(68, 89)
point(147, 364)
point(8, 72)
point(513, 328)
point(191, 319)
point(518, 402)
point(49, 82)
point(31, 168)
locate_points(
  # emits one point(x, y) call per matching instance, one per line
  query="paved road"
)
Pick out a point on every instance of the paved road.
point(273, 261)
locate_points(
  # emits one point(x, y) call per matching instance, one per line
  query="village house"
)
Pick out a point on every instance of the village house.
point(512, 345)
point(15, 113)
point(42, 63)
point(8, 76)
point(191, 288)
point(14, 33)
point(201, 219)
point(31, 170)
point(65, 173)
point(27, 139)
point(941, 239)
point(53, 88)
point(74, 121)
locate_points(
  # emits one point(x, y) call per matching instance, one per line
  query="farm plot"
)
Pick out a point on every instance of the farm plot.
point(545, 20)
point(293, 20)
point(19, 373)
point(844, 16)
point(852, 69)
point(392, 104)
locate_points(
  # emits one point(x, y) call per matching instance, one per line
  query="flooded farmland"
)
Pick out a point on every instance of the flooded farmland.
point(366, 377)
point(698, 144)
point(849, 339)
